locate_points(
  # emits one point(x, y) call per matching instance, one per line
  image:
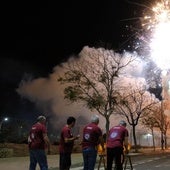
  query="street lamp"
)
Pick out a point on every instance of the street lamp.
point(148, 138)
point(5, 119)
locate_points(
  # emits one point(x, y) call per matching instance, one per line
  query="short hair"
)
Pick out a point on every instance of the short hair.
point(70, 120)
point(123, 123)
point(41, 118)
point(95, 119)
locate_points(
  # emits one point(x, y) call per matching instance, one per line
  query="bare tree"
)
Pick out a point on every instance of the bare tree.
point(93, 80)
point(150, 122)
point(162, 122)
point(134, 104)
point(166, 126)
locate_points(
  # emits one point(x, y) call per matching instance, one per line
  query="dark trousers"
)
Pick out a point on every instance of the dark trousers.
point(38, 156)
point(89, 158)
point(114, 154)
point(65, 161)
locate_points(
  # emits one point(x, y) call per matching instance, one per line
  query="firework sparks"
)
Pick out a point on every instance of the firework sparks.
point(159, 25)
point(160, 14)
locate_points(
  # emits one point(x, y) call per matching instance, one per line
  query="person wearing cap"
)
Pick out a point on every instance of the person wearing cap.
point(38, 141)
point(117, 139)
point(66, 144)
point(92, 137)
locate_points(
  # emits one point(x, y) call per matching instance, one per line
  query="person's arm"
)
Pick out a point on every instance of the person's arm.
point(47, 142)
point(67, 140)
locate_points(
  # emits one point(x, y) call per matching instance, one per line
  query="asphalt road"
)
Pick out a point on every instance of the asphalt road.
point(152, 162)
point(146, 161)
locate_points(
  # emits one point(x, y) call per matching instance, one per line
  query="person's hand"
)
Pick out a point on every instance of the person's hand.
point(77, 137)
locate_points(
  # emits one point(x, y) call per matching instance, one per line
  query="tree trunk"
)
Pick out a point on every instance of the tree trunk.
point(165, 137)
point(153, 139)
point(107, 125)
point(162, 140)
point(134, 138)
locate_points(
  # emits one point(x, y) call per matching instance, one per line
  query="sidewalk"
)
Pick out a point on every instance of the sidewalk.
point(22, 163)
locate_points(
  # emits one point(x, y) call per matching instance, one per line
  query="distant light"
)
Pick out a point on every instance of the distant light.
point(148, 135)
point(6, 119)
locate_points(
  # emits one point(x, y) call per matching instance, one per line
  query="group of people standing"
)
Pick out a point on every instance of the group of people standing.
point(116, 140)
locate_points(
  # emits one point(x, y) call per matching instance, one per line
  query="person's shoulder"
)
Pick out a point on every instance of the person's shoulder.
point(98, 128)
point(40, 126)
point(87, 125)
point(124, 129)
point(34, 125)
point(114, 127)
point(65, 128)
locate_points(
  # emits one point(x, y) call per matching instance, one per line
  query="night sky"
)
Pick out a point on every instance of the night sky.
point(35, 37)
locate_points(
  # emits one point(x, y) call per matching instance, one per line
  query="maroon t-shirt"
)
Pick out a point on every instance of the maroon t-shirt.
point(91, 134)
point(35, 139)
point(66, 147)
point(116, 136)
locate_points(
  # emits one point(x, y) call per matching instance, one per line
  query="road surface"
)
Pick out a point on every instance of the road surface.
point(158, 161)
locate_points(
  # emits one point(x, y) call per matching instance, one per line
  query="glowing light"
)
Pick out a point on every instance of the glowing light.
point(159, 24)
point(6, 119)
point(160, 45)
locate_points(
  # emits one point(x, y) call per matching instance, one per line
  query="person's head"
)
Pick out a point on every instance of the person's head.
point(71, 121)
point(122, 123)
point(95, 119)
point(41, 119)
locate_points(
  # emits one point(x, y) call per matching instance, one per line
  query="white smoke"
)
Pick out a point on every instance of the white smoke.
point(47, 93)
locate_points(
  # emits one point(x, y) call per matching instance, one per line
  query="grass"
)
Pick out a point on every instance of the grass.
point(19, 150)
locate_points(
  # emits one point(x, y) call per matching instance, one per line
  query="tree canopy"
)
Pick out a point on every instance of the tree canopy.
point(94, 79)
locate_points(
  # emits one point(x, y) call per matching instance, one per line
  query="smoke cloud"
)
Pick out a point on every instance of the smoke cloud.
point(47, 94)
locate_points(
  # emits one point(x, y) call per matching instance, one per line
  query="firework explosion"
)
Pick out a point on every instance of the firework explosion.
point(159, 25)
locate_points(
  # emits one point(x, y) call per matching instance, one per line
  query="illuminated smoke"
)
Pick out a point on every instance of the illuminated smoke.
point(47, 93)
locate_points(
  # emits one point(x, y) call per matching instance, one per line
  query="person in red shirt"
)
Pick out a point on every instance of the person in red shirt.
point(116, 139)
point(92, 136)
point(66, 144)
point(38, 141)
